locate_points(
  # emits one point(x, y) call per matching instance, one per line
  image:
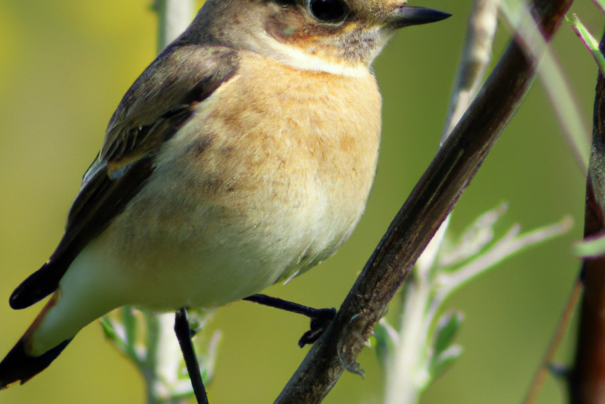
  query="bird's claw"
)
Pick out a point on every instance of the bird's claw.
point(320, 321)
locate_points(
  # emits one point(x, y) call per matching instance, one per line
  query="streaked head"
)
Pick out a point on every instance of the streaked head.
point(341, 32)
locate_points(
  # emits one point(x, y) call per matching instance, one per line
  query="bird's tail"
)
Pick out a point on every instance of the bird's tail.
point(19, 366)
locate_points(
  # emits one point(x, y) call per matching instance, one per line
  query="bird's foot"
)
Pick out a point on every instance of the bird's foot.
point(320, 318)
point(320, 321)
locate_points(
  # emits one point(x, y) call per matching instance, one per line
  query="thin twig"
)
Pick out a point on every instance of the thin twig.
point(553, 346)
point(429, 204)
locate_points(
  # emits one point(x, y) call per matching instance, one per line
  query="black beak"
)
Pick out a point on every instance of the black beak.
point(409, 15)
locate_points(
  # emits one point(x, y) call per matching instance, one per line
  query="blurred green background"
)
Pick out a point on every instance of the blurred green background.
point(65, 64)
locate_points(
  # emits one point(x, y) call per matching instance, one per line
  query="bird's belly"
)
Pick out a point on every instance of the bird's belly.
point(249, 192)
point(216, 252)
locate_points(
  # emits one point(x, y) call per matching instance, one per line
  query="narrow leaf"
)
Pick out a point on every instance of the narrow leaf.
point(446, 329)
point(474, 238)
point(587, 39)
point(590, 247)
point(443, 361)
point(386, 342)
point(112, 335)
point(510, 244)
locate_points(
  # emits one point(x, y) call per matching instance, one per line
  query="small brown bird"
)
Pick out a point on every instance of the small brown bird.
point(243, 155)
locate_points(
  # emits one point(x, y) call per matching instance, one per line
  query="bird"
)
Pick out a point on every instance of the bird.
point(242, 156)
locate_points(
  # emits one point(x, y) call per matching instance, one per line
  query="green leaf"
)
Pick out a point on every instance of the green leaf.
point(587, 39)
point(446, 329)
point(130, 324)
point(207, 357)
point(386, 342)
point(112, 335)
point(510, 244)
point(590, 247)
point(441, 362)
point(474, 238)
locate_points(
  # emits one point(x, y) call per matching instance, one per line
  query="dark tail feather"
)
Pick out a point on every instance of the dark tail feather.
point(18, 366)
point(38, 285)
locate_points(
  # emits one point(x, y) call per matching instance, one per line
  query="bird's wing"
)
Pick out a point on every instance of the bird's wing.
point(151, 112)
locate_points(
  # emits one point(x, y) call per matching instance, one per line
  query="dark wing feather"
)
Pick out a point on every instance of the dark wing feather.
point(151, 112)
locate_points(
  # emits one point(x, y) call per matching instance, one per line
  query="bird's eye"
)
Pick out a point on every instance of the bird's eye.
point(328, 10)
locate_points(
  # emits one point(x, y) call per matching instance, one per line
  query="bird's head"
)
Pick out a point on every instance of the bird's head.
point(309, 34)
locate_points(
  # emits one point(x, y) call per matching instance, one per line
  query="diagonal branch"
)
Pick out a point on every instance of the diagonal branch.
point(428, 205)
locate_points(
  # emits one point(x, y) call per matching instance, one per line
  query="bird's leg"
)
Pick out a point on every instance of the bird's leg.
point(320, 318)
point(183, 334)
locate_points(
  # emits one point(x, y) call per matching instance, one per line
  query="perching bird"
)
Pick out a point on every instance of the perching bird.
point(243, 155)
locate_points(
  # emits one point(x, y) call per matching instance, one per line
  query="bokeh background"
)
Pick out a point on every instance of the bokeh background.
point(65, 64)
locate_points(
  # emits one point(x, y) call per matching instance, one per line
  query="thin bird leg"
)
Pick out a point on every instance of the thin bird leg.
point(183, 334)
point(320, 318)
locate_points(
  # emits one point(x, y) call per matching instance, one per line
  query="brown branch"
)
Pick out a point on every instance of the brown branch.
point(429, 203)
point(587, 381)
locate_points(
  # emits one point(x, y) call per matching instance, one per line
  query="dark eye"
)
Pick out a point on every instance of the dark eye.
point(328, 10)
